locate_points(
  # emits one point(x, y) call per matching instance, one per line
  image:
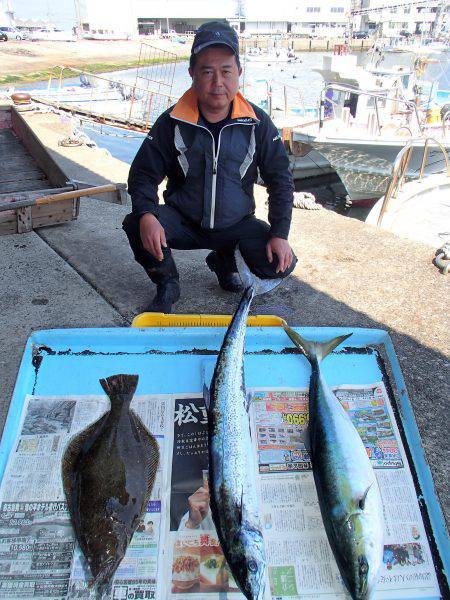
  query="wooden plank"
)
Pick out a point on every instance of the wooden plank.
point(6, 135)
point(38, 216)
point(17, 165)
point(33, 194)
point(32, 143)
point(52, 214)
point(8, 223)
point(24, 220)
point(116, 196)
point(47, 210)
point(11, 144)
point(23, 175)
point(14, 152)
point(23, 186)
point(91, 191)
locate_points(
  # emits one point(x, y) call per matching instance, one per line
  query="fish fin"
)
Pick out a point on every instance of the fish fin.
point(70, 457)
point(120, 388)
point(250, 280)
point(314, 351)
point(151, 457)
point(362, 501)
point(102, 581)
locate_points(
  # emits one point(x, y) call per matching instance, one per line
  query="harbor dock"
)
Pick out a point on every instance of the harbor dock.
point(349, 274)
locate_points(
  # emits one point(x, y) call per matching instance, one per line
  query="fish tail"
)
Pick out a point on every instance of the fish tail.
point(314, 351)
point(120, 388)
point(250, 280)
point(102, 581)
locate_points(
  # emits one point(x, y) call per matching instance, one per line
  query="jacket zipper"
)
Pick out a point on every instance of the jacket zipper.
point(215, 162)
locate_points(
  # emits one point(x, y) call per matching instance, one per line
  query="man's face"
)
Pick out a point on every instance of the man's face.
point(215, 78)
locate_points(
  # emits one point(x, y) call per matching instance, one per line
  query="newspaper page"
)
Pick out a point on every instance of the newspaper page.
point(38, 554)
point(175, 553)
point(195, 566)
point(301, 563)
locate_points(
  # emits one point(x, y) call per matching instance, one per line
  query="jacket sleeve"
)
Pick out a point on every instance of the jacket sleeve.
point(273, 165)
point(149, 167)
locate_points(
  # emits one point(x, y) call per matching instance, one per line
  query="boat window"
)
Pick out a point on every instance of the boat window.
point(371, 102)
point(352, 103)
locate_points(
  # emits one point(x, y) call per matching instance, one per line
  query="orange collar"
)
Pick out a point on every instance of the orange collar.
point(186, 109)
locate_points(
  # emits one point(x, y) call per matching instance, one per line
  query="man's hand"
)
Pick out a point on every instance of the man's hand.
point(281, 248)
point(198, 507)
point(152, 235)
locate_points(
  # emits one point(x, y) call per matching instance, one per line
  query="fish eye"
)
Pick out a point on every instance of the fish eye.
point(252, 566)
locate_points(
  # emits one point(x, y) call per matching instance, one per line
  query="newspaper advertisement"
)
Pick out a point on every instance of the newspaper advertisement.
point(39, 557)
point(175, 553)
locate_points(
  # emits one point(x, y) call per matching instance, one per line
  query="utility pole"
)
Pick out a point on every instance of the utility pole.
point(10, 12)
point(78, 17)
point(240, 12)
point(435, 28)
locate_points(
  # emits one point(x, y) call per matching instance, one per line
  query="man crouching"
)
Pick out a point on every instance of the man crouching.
point(210, 145)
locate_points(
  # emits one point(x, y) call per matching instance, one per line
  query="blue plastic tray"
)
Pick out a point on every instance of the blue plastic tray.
point(170, 360)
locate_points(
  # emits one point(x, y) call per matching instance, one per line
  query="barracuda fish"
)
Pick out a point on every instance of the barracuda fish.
point(108, 473)
point(232, 468)
point(349, 497)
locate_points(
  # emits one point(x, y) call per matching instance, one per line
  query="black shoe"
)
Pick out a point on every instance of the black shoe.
point(228, 280)
point(166, 295)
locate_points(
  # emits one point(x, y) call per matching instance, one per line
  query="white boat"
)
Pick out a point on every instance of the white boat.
point(418, 210)
point(421, 212)
point(419, 48)
point(365, 120)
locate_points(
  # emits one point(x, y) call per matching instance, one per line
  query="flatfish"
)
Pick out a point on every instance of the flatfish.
point(108, 472)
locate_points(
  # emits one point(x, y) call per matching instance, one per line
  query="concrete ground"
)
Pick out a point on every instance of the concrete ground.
point(349, 274)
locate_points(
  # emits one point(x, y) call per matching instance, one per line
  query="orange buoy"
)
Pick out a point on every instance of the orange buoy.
point(21, 98)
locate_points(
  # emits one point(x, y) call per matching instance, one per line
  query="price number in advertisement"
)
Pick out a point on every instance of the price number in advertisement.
point(295, 418)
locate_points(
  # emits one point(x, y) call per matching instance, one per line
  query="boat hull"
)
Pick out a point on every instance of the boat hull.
point(419, 212)
point(366, 166)
point(312, 164)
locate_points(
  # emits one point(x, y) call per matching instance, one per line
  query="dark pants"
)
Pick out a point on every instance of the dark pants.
point(251, 234)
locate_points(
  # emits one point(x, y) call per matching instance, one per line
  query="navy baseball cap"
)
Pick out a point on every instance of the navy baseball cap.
point(215, 33)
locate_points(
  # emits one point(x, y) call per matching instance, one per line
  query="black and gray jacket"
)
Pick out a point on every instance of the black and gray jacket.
point(213, 186)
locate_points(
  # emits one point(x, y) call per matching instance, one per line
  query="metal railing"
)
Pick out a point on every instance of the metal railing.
point(376, 98)
point(137, 103)
point(400, 168)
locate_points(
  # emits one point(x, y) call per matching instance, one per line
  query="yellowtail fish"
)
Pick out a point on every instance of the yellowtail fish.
point(349, 497)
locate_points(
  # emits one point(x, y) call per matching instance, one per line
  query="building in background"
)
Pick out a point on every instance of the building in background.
point(181, 16)
point(390, 17)
point(317, 18)
point(312, 18)
point(6, 13)
point(146, 17)
point(106, 18)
